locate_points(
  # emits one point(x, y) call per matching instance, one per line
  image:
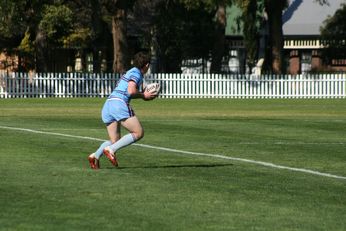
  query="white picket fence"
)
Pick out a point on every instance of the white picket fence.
point(21, 85)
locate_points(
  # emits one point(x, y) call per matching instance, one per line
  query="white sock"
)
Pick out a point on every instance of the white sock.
point(123, 142)
point(99, 151)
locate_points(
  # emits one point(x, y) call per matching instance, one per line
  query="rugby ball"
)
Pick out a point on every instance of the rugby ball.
point(153, 87)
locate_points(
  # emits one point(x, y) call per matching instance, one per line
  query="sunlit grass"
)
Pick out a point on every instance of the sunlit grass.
point(46, 183)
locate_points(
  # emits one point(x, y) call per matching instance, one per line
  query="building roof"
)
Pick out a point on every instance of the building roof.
point(305, 17)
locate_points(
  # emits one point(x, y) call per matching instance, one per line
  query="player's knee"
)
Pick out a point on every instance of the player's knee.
point(139, 134)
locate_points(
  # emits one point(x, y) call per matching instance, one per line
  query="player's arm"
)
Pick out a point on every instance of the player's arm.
point(135, 93)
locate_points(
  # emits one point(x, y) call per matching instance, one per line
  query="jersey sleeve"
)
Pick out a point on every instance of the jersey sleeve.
point(136, 77)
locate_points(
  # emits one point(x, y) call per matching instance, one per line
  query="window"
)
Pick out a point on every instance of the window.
point(305, 61)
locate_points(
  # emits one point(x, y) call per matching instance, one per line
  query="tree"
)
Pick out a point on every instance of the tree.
point(219, 37)
point(274, 9)
point(118, 10)
point(218, 9)
point(19, 22)
point(169, 36)
point(91, 33)
point(12, 23)
point(251, 17)
point(182, 38)
point(56, 23)
point(333, 34)
point(26, 51)
point(48, 24)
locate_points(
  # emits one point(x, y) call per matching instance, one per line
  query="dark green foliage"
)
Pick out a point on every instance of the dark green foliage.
point(182, 34)
point(333, 33)
point(16, 17)
point(251, 20)
point(56, 23)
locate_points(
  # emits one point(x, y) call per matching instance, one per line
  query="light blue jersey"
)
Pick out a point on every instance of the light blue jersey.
point(120, 90)
point(117, 107)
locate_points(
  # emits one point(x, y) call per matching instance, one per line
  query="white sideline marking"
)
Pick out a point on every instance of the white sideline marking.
point(266, 164)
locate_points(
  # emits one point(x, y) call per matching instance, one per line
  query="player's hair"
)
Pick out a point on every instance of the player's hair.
point(141, 59)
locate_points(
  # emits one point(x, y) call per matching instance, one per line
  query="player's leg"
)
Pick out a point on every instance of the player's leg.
point(124, 113)
point(113, 130)
point(94, 158)
point(136, 132)
point(134, 126)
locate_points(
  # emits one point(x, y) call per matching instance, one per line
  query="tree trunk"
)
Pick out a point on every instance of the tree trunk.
point(274, 10)
point(41, 53)
point(250, 32)
point(219, 43)
point(120, 48)
point(277, 42)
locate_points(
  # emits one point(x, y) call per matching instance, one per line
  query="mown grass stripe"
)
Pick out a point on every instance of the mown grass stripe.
point(266, 164)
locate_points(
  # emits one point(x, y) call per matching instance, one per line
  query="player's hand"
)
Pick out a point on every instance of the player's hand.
point(149, 95)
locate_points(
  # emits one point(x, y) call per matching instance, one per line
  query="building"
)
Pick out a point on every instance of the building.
point(302, 42)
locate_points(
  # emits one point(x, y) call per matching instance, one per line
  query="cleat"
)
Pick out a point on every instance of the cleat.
point(111, 156)
point(92, 163)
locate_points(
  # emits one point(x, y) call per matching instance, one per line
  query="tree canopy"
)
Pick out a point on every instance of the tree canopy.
point(175, 29)
point(56, 23)
point(333, 33)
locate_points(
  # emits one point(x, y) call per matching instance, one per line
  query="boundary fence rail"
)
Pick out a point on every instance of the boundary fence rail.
point(43, 85)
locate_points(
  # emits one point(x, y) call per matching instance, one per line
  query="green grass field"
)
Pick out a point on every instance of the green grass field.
point(46, 183)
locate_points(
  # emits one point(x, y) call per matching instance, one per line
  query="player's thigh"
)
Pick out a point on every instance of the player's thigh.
point(113, 130)
point(133, 125)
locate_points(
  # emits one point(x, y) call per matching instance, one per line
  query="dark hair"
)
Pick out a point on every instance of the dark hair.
point(141, 59)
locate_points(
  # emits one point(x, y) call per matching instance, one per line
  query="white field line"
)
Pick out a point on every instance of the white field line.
point(266, 164)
